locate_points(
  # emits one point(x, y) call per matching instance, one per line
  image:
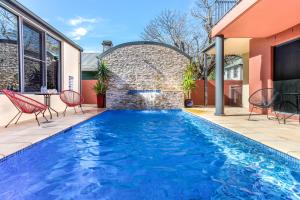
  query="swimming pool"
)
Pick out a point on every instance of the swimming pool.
point(148, 155)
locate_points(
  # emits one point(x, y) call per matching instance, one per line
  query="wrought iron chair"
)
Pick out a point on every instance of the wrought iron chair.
point(25, 105)
point(264, 99)
point(71, 99)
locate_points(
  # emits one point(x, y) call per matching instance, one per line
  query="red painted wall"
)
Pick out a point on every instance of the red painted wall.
point(261, 58)
point(198, 92)
point(88, 92)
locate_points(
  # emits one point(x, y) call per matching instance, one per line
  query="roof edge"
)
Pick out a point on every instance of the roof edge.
point(143, 43)
point(41, 21)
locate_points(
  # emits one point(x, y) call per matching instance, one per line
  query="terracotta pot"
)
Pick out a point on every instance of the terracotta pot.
point(101, 101)
point(188, 103)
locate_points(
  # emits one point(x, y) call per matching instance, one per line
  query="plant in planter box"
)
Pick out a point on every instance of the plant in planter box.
point(101, 86)
point(100, 89)
point(189, 83)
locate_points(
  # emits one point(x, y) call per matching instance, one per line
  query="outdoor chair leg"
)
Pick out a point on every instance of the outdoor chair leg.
point(18, 118)
point(65, 111)
point(36, 118)
point(45, 118)
point(81, 109)
point(268, 115)
point(276, 114)
point(75, 110)
point(251, 112)
point(13, 119)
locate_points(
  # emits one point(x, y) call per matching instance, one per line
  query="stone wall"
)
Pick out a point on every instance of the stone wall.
point(145, 67)
point(9, 64)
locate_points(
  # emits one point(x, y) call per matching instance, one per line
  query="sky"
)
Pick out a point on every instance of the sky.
point(89, 22)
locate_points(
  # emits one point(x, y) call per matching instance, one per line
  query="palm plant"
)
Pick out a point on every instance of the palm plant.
point(103, 72)
point(189, 80)
point(102, 75)
point(100, 87)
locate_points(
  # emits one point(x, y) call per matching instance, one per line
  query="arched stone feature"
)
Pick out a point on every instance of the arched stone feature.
point(145, 75)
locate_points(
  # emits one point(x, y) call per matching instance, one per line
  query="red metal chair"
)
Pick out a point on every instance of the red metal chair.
point(71, 99)
point(25, 105)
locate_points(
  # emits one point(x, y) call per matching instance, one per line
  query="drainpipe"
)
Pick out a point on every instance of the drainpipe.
point(219, 101)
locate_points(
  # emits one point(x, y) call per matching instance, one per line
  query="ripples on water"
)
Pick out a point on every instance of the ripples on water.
point(146, 155)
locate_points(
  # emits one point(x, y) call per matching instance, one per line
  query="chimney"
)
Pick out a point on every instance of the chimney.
point(106, 44)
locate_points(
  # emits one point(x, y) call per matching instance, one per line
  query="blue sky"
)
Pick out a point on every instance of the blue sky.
point(89, 22)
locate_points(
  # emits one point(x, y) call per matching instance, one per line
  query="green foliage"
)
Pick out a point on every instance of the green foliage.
point(103, 72)
point(100, 87)
point(102, 75)
point(189, 79)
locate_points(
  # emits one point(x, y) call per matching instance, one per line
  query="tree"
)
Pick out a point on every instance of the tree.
point(170, 27)
point(190, 33)
point(185, 32)
point(8, 25)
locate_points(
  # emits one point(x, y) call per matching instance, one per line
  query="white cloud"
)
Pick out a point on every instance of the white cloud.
point(79, 20)
point(78, 33)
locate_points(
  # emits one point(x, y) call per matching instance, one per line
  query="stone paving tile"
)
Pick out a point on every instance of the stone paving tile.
point(283, 137)
point(9, 148)
point(17, 137)
point(25, 138)
point(294, 153)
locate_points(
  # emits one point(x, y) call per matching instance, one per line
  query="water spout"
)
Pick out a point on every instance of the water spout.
point(149, 96)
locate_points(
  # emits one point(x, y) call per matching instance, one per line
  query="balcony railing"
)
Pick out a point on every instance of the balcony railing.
point(221, 8)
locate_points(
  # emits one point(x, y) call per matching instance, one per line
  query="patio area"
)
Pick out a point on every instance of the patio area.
point(22, 135)
point(283, 137)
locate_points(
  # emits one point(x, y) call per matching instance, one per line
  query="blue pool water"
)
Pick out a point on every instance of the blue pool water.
point(148, 155)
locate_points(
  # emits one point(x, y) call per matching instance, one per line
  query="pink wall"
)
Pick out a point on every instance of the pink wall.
point(198, 92)
point(88, 92)
point(261, 58)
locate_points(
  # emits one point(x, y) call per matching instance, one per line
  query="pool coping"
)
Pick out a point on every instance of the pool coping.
point(55, 134)
point(263, 147)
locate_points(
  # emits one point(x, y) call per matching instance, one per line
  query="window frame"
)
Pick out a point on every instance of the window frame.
point(235, 72)
point(21, 20)
point(31, 26)
point(18, 43)
point(59, 74)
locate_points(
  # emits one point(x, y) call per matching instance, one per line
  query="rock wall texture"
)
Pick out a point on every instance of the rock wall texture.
point(138, 69)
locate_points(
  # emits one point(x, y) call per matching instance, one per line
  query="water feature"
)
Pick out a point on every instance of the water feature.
point(149, 96)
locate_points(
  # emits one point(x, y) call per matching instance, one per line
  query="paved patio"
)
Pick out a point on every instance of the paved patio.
point(283, 137)
point(22, 135)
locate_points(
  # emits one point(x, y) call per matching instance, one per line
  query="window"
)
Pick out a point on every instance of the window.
point(53, 62)
point(40, 54)
point(9, 51)
point(228, 74)
point(33, 59)
point(235, 72)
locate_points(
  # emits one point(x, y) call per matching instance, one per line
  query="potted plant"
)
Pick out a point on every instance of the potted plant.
point(189, 83)
point(101, 85)
point(100, 89)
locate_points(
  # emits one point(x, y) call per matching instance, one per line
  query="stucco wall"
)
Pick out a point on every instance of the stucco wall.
point(261, 60)
point(198, 92)
point(70, 67)
point(88, 93)
point(145, 67)
point(245, 93)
